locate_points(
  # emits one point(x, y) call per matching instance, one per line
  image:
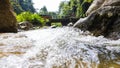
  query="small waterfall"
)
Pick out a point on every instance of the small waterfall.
point(65, 47)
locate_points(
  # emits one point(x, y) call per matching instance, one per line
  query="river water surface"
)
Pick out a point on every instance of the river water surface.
point(58, 48)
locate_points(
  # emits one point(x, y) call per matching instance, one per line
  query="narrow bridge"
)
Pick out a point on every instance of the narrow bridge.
point(64, 22)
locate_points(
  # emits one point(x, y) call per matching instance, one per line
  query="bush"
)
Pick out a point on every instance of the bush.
point(57, 24)
point(33, 18)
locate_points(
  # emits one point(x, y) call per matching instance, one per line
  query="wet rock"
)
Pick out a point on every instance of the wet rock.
point(7, 18)
point(70, 24)
point(25, 25)
point(53, 26)
point(103, 21)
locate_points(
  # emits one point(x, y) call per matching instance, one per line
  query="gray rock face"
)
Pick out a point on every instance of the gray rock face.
point(7, 17)
point(101, 3)
point(103, 21)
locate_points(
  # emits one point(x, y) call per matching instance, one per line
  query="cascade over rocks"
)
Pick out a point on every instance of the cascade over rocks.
point(7, 18)
point(103, 19)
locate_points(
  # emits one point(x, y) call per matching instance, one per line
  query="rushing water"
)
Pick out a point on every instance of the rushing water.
point(58, 48)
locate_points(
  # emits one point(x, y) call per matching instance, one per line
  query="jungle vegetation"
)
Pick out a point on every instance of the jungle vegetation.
point(67, 9)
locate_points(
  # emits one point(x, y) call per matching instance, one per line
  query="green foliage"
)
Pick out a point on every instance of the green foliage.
point(74, 8)
point(57, 24)
point(54, 15)
point(36, 17)
point(88, 1)
point(43, 11)
point(33, 18)
point(16, 6)
point(64, 10)
point(22, 5)
point(24, 16)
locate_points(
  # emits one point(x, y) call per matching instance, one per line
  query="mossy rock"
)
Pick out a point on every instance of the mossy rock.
point(7, 17)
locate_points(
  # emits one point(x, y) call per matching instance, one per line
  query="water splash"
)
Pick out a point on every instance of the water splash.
point(59, 48)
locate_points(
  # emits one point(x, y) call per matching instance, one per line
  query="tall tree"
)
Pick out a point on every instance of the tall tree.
point(74, 8)
point(22, 5)
point(65, 10)
point(43, 11)
point(27, 5)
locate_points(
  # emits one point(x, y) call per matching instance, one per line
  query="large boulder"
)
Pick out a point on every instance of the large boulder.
point(103, 20)
point(7, 17)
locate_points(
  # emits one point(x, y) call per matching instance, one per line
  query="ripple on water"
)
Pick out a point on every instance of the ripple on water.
point(13, 44)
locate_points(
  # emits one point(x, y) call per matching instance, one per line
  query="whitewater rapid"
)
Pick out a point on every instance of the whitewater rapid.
point(64, 47)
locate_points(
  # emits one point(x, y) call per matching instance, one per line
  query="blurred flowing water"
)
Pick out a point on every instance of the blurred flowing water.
point(58, 48)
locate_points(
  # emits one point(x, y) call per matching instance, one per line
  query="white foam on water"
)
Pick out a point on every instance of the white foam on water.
point(60, 48)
